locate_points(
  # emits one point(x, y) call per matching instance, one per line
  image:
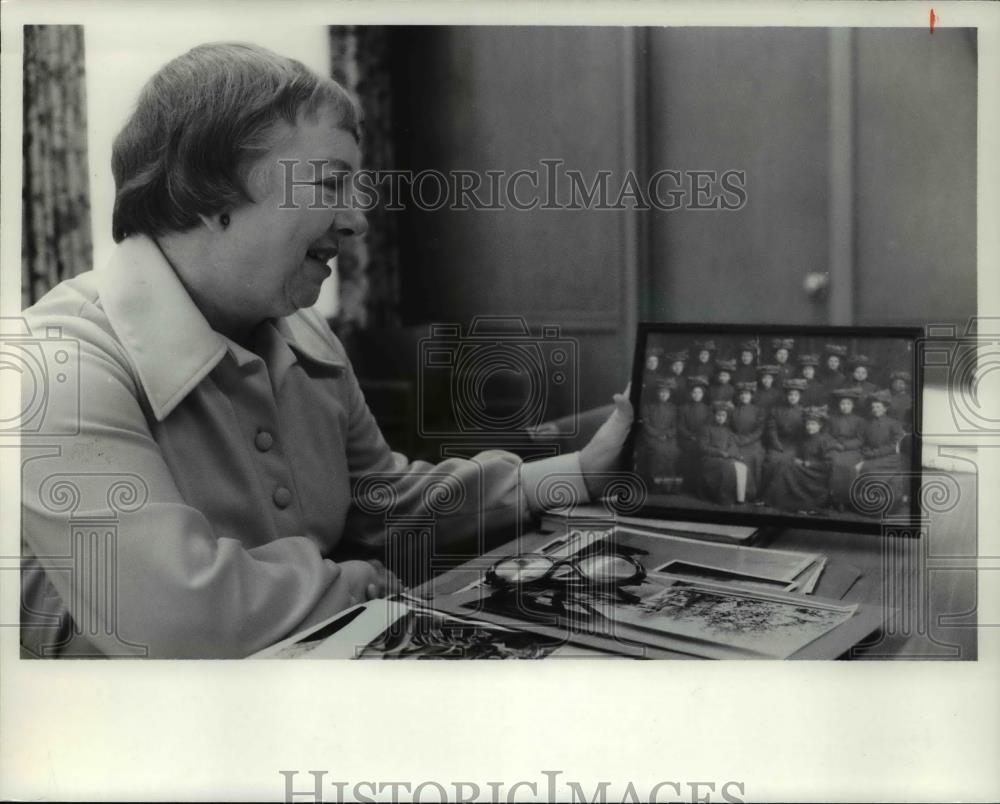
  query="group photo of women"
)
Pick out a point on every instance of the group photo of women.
point(774, 424)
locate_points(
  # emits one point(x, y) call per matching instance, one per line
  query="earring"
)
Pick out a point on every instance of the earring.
point(224, 219)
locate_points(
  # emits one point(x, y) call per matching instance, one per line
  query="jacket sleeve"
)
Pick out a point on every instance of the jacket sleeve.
point(465, 498)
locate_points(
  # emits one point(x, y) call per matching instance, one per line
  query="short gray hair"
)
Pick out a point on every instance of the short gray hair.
point(200, 124)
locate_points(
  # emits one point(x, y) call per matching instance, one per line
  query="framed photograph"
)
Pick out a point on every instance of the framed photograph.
point(816, 427)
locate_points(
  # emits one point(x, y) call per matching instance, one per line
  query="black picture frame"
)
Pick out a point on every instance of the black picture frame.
point(768, 519)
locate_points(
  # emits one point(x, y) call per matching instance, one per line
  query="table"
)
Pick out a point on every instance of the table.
point(923, 578)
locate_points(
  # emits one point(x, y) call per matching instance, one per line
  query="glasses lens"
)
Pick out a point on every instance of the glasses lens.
point(607, 569)
point(522, 569)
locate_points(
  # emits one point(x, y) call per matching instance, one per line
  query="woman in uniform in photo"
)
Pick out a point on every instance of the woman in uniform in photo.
point(833, 376)
point(651, 372)
point(725, 478)
point(677, 362)
point(860, 368)
point(746, 368)
point(784, 428)
point(704, 355)
point(658, 453)
point(767, 395)
point(748, 425)
point(782, 353)
point(803, 484)
point(692, 419)
point(814, 393)
point(901, 399)
point(846, 430)
point(881, 438)
point(722, 389)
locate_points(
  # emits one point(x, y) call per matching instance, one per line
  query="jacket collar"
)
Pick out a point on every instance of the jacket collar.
point(165, 335)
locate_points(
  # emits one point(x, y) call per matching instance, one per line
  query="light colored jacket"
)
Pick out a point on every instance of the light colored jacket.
point(184, 496)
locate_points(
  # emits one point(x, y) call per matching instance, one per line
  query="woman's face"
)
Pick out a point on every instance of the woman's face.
point(663, 394)
point(793, 396)
point(808, 372)
point(652, 363)
point(746, 357)
point(723, 377)
point(745, 397)
point(846, 405)
point(703, 356)
point(767, 380)
point(781, 355)
point(677, 367)
point(898, 385)
point(833, 363)
point(697, 393)
point(720, 416)
point(878, 409)
point(273, 257)
point(812, 426)
point(860, 373)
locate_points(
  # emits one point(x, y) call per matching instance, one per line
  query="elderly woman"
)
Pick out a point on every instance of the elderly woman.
point(223, 406)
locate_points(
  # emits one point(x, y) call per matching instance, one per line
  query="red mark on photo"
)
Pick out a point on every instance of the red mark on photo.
point(933, 20)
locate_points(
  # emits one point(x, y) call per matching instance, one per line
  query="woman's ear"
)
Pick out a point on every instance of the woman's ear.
point(216, 223)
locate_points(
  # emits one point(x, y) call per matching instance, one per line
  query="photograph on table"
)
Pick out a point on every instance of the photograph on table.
point(768, 424)
point(646, 615)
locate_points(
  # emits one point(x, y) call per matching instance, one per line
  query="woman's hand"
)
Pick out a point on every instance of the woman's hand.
point(601, 454)
point(368, 580)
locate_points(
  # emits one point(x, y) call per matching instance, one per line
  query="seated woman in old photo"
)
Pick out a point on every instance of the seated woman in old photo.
point(880, 448)
point(725, 478)
point(803, 484)
point(846, 430)
point(784, 428)
point(748, 425)
point(210, 389)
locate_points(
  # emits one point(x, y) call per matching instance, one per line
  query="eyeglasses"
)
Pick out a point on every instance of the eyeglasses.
point(585, 572)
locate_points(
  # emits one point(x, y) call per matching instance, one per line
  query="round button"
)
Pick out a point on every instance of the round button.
point(263, 441)
point(282, 497)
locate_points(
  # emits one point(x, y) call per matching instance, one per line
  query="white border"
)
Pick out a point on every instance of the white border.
point(790, 731)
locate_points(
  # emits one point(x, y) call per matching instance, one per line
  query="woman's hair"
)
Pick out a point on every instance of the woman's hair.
point(199, 126)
